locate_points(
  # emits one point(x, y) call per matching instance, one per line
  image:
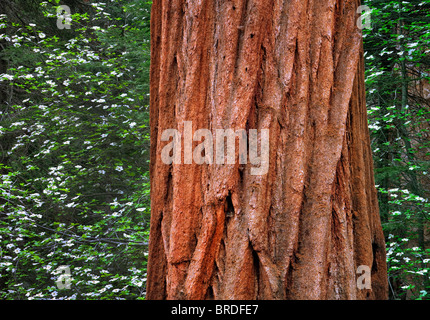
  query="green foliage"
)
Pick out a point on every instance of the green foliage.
point(74, 186)
point(408, 267)
point(397, 60)
point(408, 262)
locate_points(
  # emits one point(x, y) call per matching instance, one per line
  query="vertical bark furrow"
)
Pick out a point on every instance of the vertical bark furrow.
point(158, 173)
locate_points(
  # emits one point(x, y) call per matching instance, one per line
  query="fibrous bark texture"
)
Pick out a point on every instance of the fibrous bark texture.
point(300, 231)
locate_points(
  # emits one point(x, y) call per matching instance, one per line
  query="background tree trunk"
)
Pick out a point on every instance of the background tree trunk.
point(300, 232)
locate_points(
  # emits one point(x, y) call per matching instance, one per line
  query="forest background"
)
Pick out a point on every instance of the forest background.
point(74, 145)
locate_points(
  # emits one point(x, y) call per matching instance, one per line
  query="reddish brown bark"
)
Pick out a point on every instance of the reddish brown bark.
point(300, 231)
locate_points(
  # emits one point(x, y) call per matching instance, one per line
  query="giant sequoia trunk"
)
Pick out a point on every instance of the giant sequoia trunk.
point(294, 67)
